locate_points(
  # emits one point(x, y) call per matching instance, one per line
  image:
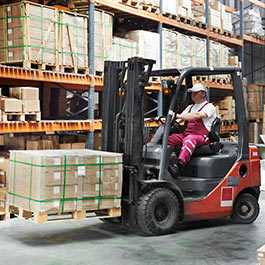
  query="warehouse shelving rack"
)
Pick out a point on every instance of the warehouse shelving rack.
point(92, 83)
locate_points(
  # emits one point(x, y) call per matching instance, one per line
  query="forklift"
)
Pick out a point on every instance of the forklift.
point(222, 179)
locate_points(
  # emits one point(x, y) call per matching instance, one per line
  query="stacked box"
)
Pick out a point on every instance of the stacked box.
point(78, 145)
point(10, 105)
point(215, 53)
point(73, 40)
point(4, 164)
point(103, 38)
point(184, 50)
point(214, 18)
point(3, 193)
point(184, 8)
point(226, 108)
point(122, 49)
point(169, 7)
point(29, 97)
point(198, 12)
point(56, 181)
point(170, 48)
point(255, 94)
point(147, 44)
point(29, 34)
point(199, 52)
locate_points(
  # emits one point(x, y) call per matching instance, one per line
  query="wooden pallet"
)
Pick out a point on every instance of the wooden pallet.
point(200, 78)
point(73, 70)
point(99, 73)
point(216, 30)
point(228, 33)
point(149, 8)
point(169, 15)
point(185, 20)
point(3, 216)
point(133, 3)
point(68, 216)
point(228, 123)
point(19, 116)
point(32, 65)
point(200, 24)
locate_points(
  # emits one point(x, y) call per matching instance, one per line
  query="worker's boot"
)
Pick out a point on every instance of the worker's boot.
point(174, 167)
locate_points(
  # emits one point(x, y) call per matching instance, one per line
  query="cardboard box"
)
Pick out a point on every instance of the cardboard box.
point(2, 139)
point(65, 174)
point(30, 105)
point(81, 145)
point(2, 179)
point(11, 104)
point(32, 145)
point(65, 146)
point(25, 93)
point(15, 142)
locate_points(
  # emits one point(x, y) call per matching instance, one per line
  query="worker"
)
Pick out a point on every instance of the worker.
point(199, 117)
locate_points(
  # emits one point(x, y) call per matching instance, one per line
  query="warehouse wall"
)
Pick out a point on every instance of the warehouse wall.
point(258, 62)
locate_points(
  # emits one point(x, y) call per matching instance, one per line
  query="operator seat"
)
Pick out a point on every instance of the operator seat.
point(214, 146)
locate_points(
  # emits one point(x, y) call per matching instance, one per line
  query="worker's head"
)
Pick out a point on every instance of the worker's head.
point(198, 93)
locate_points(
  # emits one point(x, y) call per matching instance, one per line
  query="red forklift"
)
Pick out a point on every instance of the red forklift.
point(221, 179)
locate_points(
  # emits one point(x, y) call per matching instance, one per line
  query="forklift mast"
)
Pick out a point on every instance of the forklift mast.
point(123, 124)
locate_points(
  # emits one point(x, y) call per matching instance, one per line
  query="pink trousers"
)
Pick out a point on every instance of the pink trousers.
point(188, 143)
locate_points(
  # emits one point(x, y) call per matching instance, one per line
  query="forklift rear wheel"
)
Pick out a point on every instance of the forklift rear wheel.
point(158, 212)
point(245, 209)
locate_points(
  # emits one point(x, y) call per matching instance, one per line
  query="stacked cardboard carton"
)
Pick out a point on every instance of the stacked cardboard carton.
point(103, 38)
point(169, 7)
point(77, 145)
point(36, 35)
point(122, 49)
point(147, 44)
point(64, 180)
point(28, 34)
point(226, 108)
point(184, 8)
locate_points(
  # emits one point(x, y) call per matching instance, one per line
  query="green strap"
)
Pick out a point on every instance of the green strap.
point(42, 34)
point(5, 26)
point(99, 189)
point(23, 41)
point(14, 179)
point(64, 182)
point(30, 184)
point(68, 165)
point(60, 200)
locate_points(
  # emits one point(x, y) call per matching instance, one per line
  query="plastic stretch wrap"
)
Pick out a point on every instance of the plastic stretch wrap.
point(199, 52)
point(170, 52)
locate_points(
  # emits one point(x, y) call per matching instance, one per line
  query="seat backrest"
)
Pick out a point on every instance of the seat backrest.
point(215, 130)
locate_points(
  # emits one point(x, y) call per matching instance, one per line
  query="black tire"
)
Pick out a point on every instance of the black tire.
point(245, 209)
point(158, 212)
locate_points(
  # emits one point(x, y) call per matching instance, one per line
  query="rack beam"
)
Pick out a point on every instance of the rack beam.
point(253, 40)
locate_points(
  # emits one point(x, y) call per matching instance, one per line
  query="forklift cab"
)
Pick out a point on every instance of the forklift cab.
point(221, 179)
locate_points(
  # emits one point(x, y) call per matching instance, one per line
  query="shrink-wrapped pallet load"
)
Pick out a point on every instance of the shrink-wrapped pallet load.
point(57, 181)
point(147, 44)
point(122, 49)
point(169, 7)
point(199, 52)
point(215, 49)
point(184, 50)
point(103, 38)
point(170, 48)
point(29, 35)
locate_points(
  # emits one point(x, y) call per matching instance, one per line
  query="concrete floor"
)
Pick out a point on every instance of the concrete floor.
point(91, 242)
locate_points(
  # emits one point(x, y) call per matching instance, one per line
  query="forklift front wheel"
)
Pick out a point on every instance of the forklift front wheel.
point(245, 209)
point(158, 211)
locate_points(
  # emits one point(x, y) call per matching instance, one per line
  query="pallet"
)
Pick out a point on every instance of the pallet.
point(68, 216)
point(216, 30)
point(133, 3)
point(19, 116)
point(169, 15)
point(32, 65)
point(74, 70)
point(200, 24)
point(149, 8)
point(225, 123)
point(3, 216)
point(200, 78)
point(228, 33)
point(185, 20)
point(99, 73)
